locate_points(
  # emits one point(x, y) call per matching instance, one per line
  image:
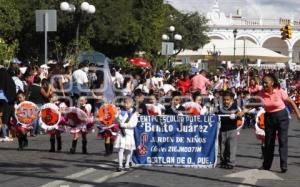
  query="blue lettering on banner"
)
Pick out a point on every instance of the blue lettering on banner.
point(183, 141)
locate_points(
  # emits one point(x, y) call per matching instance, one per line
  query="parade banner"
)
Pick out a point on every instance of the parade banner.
point(181, 141)
point(76, 117)
point(50, 116)
point(107, 114)
point(26, 113)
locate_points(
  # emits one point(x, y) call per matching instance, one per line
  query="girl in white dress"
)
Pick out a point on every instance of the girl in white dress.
point(127, 119)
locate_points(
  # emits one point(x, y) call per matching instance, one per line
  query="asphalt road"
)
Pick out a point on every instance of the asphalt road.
point(35, 166)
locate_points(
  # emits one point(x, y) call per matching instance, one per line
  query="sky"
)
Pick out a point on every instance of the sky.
point(267, 9)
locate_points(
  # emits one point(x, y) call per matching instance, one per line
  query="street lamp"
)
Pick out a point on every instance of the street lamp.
point(168, 42)
point(214, 53)
point(234, 45)
point(71, 8)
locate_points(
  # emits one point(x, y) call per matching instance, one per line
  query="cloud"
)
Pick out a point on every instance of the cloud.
point(268, 9)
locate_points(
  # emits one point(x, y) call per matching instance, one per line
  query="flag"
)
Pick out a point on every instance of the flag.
point(108, 93)
point(237, 81)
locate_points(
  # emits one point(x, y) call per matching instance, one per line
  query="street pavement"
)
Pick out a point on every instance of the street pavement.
point(35, 166)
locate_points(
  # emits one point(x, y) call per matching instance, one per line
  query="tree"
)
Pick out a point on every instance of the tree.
point(150, 15)
point(192, 26)
point(31, 42)
point(9, 26)
point(116, 30)
point(60, 43)
point(9, 20)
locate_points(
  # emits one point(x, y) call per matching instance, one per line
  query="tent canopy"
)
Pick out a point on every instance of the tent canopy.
point(245, 48)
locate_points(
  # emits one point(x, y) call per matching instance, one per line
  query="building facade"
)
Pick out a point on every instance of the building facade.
point(264, 32)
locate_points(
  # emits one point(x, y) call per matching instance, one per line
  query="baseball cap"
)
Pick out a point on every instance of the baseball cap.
point(44, 66)
point(15, 61)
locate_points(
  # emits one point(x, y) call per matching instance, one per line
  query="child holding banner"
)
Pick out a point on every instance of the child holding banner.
point(228, 131)
point(83, 124)
point(128, 119)
point(20, 131)
point(53, 122)
point(26, 114)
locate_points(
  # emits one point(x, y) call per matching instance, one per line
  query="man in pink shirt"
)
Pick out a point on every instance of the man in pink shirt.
point(200, 82)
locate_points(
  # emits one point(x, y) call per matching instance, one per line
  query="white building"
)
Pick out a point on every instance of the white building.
point(263, 32)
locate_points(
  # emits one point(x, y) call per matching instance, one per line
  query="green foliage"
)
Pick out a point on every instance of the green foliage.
point(182, 69)
point(7, 51)
point(9, 20)
point(191, 26)
point(122, 63)
point(119, 28)
point(150, 16)
point(9, 26)
point(115, 27)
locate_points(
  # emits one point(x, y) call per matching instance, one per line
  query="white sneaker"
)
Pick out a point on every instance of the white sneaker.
point(8, 139)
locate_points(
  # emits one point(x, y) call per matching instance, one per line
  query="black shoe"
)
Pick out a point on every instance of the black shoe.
point(20, 149)
point(72, 151)
point(263, 168)
point(119, 169)
point(222, 165)
point(283, 170)
point(84, 150)
point(229, 166)
point(51, 151)
point(127, 169)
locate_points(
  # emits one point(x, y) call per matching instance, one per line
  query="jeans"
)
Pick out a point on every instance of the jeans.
point(35, 125)
point(4, 130)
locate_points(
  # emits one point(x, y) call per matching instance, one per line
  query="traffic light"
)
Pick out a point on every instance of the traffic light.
point(288, 31)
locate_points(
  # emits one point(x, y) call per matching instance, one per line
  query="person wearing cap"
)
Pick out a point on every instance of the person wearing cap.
point(15, 63)
point(18, 82)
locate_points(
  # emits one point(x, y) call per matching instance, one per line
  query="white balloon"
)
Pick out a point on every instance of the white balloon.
point(165, 37)
point(64, 6)
point(171, 28)
point(85, 6)
point(91, 9)
point(178, 37)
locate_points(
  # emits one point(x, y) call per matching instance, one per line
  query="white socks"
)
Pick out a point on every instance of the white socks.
point(128, 154)
point(121, 153)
